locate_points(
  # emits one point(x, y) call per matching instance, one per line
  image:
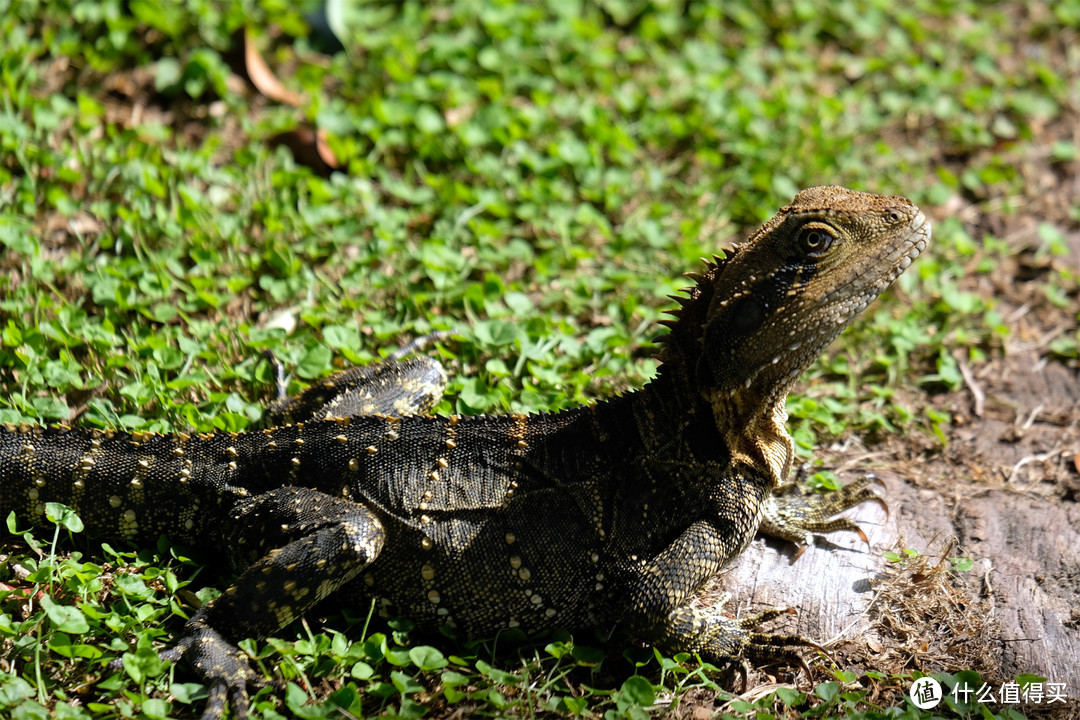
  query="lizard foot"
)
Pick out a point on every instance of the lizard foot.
point(221, 665)
point(791, 513)
point(737, 642)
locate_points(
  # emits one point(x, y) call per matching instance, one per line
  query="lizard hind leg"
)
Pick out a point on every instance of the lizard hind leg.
point(308, 545)
point(393, 387)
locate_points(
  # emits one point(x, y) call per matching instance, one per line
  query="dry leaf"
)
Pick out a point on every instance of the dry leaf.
point(263, 78)
point(323, 147)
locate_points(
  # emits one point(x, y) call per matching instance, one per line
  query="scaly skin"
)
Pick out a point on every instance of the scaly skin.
point(614, 513)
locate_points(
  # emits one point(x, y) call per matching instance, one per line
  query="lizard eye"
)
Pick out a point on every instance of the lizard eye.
point(815, 241)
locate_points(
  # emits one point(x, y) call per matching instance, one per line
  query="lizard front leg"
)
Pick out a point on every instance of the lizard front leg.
point(304, 545)
point(662, 612)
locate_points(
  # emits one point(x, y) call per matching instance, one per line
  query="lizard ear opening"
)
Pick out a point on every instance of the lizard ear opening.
point(719, 365)
point(746, 314)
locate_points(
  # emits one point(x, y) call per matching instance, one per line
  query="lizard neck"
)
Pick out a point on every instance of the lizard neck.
point(751, 423)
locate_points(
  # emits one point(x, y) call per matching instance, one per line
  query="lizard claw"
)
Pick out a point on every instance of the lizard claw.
point(795, 515)
point(219, 698)
point(736, 642)
point(222, 666)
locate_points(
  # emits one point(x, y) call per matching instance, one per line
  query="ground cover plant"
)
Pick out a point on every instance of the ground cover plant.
point(533, 178)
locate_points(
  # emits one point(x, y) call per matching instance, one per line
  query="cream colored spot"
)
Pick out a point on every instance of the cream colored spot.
point(115, 501)
point(427, 572)
point(515, 562)
point(433, 597)
point(510, 538)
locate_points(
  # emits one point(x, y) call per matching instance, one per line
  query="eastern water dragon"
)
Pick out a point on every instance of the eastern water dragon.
point(611, 514)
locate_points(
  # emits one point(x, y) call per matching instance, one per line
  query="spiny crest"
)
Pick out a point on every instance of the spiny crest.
point(689, 297)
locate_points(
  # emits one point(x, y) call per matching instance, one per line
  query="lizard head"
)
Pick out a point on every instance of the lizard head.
point(787, 292)
point(756, 319)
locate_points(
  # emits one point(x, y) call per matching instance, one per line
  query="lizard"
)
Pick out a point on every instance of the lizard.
point(611, 514)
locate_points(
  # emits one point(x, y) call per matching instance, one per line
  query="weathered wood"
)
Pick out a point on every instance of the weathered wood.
point(1020, 526)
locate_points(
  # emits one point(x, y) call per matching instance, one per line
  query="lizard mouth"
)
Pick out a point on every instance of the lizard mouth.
point(899, 257)
point(912, 246)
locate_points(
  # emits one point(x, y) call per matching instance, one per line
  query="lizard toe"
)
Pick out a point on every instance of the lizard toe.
point(796, 515)
point(222, 666)
point(736, 642)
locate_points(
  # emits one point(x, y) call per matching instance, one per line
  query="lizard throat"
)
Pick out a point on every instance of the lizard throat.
point(757, 436)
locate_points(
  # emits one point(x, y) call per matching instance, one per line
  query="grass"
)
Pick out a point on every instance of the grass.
point(534, 178)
